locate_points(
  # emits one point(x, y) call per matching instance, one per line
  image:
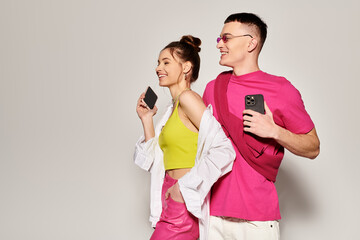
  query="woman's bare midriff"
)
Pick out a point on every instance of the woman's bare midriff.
point(178, 173)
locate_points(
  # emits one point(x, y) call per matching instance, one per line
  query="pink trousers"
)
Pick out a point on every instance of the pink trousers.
point(175, 223)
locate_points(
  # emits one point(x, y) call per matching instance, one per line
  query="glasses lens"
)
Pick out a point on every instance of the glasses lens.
point(224, 38)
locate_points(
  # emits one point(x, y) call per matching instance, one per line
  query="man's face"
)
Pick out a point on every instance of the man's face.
point(234, 51)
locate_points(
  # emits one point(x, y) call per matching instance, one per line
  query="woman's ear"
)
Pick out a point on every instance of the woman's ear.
point(187, 67)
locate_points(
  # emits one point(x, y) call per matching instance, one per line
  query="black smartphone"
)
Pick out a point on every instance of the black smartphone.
point(255, 102)
point(150, 98)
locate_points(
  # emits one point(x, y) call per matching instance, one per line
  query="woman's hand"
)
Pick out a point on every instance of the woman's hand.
point(174, 193)
point(143, 110)
point(146, 115)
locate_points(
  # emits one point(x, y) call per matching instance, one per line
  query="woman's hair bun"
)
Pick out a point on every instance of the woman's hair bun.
point(192, 41)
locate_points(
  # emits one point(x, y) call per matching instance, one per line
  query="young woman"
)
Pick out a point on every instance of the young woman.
point(182, 152)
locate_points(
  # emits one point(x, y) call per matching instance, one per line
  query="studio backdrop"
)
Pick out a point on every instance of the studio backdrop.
point(72, 71)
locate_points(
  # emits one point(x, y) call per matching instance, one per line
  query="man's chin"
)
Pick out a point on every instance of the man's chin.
point(223, 63)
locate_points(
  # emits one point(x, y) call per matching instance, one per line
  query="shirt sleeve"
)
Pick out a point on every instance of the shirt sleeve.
point(292, 110)
point(208, 93)
point(144, 154)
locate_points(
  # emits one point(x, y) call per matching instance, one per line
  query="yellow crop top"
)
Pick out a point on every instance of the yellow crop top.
point(178, 143)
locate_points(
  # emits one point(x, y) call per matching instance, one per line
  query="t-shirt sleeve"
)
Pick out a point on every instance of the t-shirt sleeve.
point(292, 110)
point(208, 93)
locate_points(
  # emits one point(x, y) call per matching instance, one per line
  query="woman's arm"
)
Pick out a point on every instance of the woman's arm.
point(216, 158)
point(193, 106)
point(144, 154)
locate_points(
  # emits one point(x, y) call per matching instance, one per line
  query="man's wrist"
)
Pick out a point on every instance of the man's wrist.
point(278, 131)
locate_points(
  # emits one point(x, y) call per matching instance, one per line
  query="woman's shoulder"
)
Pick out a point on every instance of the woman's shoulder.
point(192, 105)
point(189, 97)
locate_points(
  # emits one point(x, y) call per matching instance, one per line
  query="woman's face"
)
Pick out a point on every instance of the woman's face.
point(169, 69)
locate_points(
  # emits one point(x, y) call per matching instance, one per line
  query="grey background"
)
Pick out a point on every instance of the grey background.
point(70, 75)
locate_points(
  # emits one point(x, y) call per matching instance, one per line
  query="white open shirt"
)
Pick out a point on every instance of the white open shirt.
point(214, 158)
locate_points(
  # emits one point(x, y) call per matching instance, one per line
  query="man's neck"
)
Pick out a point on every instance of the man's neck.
point(238, 71)
point(246, 67)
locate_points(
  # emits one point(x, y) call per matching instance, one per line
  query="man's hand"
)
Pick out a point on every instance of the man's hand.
point(261, 125)
point(174, 193)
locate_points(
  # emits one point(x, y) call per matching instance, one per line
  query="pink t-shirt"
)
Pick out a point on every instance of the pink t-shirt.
point(244, 193)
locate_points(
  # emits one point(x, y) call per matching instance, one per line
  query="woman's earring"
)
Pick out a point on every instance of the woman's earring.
point(185, 76)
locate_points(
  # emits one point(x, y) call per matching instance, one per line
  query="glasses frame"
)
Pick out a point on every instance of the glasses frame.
point(226, 37)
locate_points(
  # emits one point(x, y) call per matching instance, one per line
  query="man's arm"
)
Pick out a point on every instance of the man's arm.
point(263, 125)
point(305, 145)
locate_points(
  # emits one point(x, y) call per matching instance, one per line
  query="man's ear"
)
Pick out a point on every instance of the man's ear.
point(187, 67)
point(252, 44)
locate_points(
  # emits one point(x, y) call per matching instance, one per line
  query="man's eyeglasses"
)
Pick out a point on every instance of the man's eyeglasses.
point(226, 38)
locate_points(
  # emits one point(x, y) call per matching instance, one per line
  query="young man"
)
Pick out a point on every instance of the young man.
point(244, 203)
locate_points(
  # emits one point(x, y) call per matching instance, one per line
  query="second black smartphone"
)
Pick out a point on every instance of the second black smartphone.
point(255, 102)
point(150, 98)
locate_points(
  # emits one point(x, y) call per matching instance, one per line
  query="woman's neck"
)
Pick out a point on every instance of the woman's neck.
point(176, 90)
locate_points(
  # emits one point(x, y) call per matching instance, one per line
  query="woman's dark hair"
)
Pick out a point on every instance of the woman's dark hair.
point(187, 49)
point(251, 20)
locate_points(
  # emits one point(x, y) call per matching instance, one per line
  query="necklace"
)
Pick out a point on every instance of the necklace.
point(176, 98)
